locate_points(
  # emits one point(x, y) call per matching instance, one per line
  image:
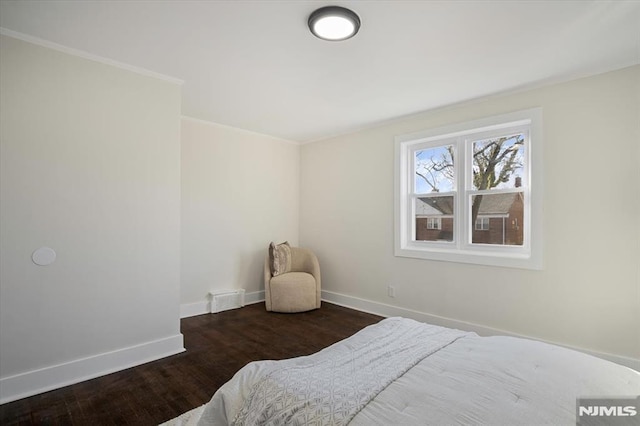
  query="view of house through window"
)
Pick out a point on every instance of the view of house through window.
point(496, 165)
point(434, 175)
point(499, 219)
point(434, 218)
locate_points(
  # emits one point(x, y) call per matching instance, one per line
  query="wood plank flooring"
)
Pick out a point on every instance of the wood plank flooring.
point(217, 346)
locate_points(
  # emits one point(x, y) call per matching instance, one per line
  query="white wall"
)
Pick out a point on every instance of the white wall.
point(587, 295)
point(240, 190)
point(90, 166)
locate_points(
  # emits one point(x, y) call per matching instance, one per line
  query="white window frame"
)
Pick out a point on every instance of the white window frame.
point(527, 256)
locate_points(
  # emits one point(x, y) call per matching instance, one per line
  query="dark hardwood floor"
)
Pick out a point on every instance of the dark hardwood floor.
point(217, 346)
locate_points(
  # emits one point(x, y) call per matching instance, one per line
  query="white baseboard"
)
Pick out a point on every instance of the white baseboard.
point(254, 297)
point(49, 378)
point(192, 309)
point(385, 310)
point(204, 307)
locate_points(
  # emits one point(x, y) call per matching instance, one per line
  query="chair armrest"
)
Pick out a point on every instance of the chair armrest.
point(304, 260)
point(267, 279)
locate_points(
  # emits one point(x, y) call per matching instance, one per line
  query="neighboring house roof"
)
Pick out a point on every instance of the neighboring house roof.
point(497, 203)
point(435, 206)
point(443, 206)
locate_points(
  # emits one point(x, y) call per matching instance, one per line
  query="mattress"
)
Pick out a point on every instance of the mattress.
point(403, 372)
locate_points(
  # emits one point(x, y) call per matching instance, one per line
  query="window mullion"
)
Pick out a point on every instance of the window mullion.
point(463, 210)
point(458, 167)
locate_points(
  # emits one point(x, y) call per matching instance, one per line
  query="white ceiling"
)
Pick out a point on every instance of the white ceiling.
point(254, 64)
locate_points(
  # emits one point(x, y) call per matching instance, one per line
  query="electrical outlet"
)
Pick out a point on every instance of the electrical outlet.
point(391, 291)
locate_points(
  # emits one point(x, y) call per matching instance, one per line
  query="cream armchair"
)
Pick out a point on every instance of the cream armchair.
point(297, 290)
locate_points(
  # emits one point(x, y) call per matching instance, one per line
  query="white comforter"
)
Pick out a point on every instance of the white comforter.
point(461, 379)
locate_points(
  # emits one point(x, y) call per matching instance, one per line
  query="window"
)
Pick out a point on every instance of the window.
point(434, 223)
point(482, 224)
point(472, 192)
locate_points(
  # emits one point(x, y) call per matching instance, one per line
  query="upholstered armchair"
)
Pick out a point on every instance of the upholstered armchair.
point(296, 286)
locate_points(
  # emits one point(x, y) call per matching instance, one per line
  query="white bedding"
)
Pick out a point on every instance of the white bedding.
point(332, 386)
point(469, 380)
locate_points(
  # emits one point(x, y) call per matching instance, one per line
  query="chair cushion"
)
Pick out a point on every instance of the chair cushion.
point(279, 258)
point(293, 292)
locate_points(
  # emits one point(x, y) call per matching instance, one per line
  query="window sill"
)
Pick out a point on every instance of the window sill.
point(485, 256)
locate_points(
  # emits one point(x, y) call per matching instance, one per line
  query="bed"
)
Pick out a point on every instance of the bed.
point(403, 372)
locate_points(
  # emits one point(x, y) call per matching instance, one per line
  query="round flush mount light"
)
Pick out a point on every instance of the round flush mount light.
point(334, 23)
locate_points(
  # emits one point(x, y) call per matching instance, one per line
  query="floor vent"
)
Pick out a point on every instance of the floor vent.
point(225, 300)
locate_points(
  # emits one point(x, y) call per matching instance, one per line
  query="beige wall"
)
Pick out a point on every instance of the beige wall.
point(588, 293)
point(90, 166)
point(240, 190)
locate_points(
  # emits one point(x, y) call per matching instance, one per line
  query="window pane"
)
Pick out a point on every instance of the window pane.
point(434, 170)
point(434, 218)
point(498, 162)
point(498, 219)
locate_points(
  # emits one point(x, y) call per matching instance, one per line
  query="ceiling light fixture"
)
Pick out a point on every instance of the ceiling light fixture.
point(334, 23)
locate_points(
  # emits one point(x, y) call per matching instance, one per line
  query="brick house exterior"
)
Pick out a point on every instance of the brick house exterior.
point(439, 209)
point(500, 219)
